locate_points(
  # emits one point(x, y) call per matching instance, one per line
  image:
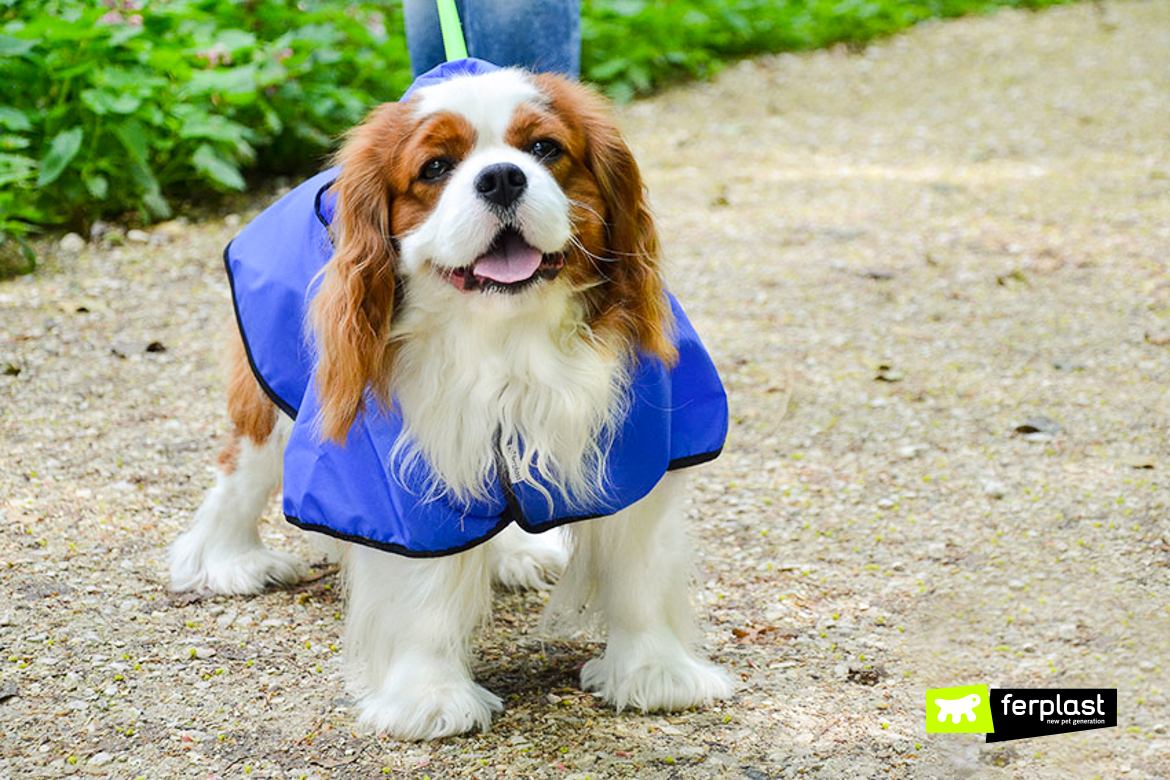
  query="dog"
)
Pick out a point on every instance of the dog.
point(452, 344)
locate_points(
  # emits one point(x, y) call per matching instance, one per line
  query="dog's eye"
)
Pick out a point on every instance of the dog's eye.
point(435, 169)
point(545, 150)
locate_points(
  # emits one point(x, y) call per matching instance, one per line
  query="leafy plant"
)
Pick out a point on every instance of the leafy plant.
point(121, 106)
point(633, 47)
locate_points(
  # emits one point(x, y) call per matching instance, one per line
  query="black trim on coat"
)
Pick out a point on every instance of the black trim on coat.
point(317, 205)
point(398, 549)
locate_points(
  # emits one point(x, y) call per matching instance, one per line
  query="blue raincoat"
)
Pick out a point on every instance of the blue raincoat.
point(677, 417)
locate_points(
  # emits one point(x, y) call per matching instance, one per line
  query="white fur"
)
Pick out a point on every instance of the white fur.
point(520, 560)
point(524, 365)
point(486, 101)
point(630, 571)
point(407, 630)
point(221, 551)
point(469, 365)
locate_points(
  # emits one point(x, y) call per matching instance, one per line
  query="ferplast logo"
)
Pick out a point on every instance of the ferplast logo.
point(1019, 713)
point(962, 710)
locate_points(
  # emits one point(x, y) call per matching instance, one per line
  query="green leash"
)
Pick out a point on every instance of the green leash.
point(453, 43)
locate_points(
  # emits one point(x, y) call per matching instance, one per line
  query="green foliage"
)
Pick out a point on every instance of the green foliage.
point(116, 106)
point(635, 46)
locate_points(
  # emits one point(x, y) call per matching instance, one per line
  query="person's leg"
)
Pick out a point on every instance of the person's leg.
point(542, 35)
point(424, 37)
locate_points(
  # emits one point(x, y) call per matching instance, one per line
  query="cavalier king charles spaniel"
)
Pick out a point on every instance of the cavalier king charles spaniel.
point(491, 294)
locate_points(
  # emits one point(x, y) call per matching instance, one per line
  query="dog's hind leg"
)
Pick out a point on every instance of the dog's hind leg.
point(221, 551)
point(634, 568)
point(407, 635)
point(522, 560)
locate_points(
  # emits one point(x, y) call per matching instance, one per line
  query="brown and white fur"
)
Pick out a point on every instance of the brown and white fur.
point(426, 189)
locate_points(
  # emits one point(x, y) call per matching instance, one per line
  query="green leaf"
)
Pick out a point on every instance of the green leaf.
point(217, 128)
point(627, 8)
point(15, 167)
point(224, 81)
point(14, 119)
point(15, 47)
point(156, 204)
point(102, 102)
point(234, 40)
point(123, 33)
point(73, 71)
point(11, 142)
point(133, 140)
point(63, 148)
point(220, 170)
point(97, 185)
point(620, 92)
point(607, 70)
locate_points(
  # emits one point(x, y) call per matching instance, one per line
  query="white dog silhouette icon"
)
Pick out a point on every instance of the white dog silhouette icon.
point(958, 708)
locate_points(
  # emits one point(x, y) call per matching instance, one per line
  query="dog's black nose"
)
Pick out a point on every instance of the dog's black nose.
point(501, 184)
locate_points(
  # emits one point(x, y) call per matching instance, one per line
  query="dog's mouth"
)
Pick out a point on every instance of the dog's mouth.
point(509, 265)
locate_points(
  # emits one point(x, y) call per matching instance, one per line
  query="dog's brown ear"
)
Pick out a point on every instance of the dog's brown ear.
point(351, 313)
point(633, 242)
point(636, 294)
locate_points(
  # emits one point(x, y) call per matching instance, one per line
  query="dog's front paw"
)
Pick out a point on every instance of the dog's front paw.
point(239, 573)
point(650, 680)
point(423, 712)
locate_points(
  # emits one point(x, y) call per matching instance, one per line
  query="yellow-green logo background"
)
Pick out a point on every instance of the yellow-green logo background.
point(983, 723)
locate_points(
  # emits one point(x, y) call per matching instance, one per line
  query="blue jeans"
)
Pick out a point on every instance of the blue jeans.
point(543, 35)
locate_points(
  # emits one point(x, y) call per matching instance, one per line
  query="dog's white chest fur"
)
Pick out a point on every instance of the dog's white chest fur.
point(530, 382)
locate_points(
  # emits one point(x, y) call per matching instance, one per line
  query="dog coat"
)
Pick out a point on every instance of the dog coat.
point(353, 491)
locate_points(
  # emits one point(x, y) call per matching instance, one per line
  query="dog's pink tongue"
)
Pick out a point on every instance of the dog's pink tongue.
point(508, 260)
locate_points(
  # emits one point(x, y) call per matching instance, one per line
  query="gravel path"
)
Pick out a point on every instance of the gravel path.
point(898, 257)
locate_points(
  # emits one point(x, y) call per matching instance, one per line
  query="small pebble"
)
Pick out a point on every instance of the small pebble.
point(227, 618)
point(138, 237)
point(994, 488)
point(1039, 428)
point(71, 243)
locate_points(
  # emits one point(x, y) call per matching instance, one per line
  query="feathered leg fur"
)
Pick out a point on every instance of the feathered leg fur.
point(221, 552)
point(632, 569)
